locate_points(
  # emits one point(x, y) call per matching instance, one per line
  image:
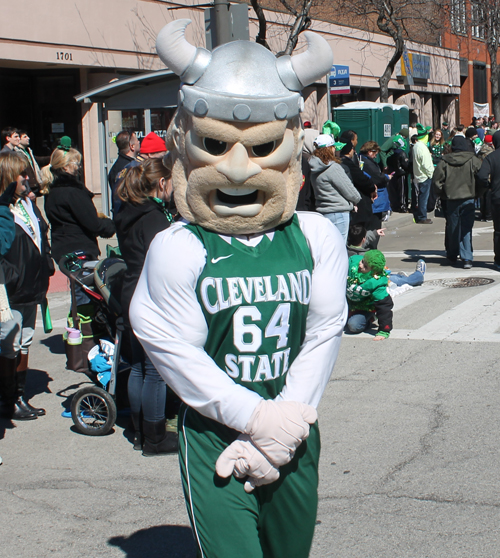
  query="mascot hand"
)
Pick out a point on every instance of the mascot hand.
point(243, 459)
point(278, 428)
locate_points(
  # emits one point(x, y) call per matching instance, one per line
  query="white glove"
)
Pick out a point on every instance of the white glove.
point(278, 428)
point(243, 459)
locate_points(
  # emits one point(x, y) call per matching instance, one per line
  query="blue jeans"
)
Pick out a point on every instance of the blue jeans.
point(424, 189)
point(146, 388)
point(341, 221)
point(414, 280)
point(459, 223)
point(360, 321)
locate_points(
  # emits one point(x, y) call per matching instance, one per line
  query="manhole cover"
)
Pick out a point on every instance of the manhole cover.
point(461, 282)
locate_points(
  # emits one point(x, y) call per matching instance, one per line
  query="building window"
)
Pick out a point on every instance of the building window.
point(458, 17)
point(480, 89)
point(477, 19)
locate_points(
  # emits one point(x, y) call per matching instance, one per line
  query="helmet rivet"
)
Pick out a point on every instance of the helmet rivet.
point(201, 107)
point(281, 111)
point(242, 112)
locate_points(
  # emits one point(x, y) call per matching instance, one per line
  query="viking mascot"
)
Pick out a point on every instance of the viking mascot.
point(241, 306)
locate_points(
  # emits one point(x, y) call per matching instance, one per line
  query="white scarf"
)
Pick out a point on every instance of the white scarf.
point(27, 220)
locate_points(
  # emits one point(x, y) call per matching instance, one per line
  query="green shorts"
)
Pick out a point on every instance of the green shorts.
point(274, 521)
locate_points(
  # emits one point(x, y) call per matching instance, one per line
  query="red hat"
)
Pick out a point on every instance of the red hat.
point(152, 143)
point(488, 138)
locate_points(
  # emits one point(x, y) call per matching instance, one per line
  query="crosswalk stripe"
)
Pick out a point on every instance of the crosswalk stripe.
point(476, 319)
point(428, 254)
point(418, 293)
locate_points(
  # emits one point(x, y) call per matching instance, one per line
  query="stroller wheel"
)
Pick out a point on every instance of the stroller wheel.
point(93, 411)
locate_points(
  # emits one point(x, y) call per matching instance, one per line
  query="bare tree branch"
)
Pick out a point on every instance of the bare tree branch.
point(259, 12)
point(299, 9)
point(301, 23)
point(402, 20)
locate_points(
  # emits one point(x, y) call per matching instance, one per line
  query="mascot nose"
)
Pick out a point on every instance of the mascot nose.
point(236, 165)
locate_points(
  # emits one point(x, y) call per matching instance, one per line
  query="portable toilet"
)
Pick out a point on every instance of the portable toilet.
point(371, 121)
point(401, 117)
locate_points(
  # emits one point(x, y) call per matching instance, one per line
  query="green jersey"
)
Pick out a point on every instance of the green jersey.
point(364, 289)
point(255, 301)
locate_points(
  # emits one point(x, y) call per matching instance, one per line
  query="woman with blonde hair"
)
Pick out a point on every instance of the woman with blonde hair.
point(27, 267)
point(436, 146)
point(75, 224)
point(145, 192)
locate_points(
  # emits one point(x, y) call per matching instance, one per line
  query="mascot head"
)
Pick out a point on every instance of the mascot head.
point(236, 138)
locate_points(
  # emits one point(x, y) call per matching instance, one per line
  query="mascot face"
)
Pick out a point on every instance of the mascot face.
point(236, 140)
point(235, 178)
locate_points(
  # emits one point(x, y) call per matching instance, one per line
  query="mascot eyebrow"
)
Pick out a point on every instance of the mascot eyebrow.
point(246, 134)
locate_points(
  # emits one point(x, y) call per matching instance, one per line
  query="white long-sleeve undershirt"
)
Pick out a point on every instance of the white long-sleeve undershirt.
point(169, 322)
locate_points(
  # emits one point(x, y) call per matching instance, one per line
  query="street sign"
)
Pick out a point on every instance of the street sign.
point(339, 80)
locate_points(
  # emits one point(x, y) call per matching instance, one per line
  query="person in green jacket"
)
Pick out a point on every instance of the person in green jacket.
point(367, 294)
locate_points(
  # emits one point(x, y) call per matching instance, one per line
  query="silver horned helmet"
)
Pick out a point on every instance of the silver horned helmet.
point(241, 81)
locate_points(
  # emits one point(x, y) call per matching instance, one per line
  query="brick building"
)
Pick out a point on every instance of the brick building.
point(465, 34)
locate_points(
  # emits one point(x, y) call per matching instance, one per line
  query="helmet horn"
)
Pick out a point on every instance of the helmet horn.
point(180, 56)
point(315, 62)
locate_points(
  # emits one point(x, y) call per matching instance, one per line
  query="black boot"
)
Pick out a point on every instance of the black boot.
point(10, 407)
point(136, 425)
point(21, 384)
point(157, 441)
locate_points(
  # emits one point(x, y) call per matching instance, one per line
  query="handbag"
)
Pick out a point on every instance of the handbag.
point(382, 202)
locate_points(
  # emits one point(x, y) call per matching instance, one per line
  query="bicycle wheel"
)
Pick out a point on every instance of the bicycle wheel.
point(93, 411)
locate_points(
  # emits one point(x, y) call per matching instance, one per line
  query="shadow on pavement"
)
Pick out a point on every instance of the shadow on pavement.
point(5, 424)
point(174, 541)
point(69, 396)
point(55, 344)
point(37, 382)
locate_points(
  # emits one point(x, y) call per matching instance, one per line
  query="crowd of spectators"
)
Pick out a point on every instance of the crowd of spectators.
point(453, 171)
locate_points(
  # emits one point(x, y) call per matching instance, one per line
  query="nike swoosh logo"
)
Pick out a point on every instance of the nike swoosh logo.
point(215, 260)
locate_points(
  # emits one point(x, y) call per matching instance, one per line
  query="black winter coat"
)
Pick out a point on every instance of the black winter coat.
point(365, 187)
point(116, 169)
point(73, 218)
point(27, 269)
point(377, 176)
point(136, 226)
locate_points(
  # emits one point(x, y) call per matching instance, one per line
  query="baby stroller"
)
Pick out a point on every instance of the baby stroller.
point(93, 408)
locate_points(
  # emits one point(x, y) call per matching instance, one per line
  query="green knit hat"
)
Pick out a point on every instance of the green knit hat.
point(375, 260)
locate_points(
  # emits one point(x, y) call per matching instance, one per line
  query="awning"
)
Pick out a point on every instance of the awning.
point(143, 91)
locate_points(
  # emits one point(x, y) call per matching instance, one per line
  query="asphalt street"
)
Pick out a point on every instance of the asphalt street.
point(410, 444)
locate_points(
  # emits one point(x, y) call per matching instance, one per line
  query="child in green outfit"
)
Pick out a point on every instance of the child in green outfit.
point(367, 294)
